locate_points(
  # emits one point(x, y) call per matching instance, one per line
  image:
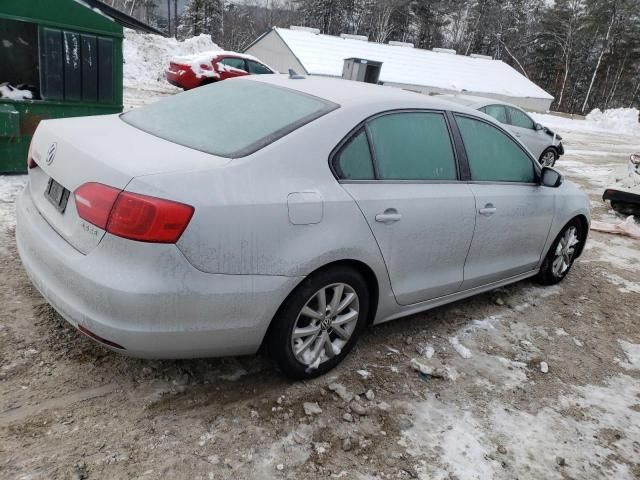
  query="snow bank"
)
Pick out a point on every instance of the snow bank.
point(618, 120)
point(623, 120)
point(147, 56)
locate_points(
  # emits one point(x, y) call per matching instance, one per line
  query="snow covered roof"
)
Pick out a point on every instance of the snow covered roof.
point(324, 55)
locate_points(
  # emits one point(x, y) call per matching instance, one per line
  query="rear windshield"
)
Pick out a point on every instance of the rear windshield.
point(230, 119)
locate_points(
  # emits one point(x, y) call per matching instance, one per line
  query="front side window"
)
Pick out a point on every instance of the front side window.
point(237, 63)
point(413, 146)
point(257, 68)
point(520, 119)
point(496, 111)
point(354, 160)
point(493, 156)
point(275, 112)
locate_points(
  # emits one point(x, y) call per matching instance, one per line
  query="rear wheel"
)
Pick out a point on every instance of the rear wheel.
point(319, 323)
point(549, 157)
point(562, 254)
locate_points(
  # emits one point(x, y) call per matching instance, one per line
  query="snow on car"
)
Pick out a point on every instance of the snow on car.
point(193, 71)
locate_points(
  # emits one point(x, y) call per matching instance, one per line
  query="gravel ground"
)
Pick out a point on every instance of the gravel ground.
point(458, 392)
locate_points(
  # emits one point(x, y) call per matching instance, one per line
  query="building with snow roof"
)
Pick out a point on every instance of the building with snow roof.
point(437, 71)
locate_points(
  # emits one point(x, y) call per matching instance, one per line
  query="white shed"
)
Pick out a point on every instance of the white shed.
point(430, 72)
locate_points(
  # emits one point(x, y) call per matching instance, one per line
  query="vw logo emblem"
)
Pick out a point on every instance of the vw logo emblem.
point(51, 153)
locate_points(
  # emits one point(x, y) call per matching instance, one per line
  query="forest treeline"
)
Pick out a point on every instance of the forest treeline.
point(586, 53)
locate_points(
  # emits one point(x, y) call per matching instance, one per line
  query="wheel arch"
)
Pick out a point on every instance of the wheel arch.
point(584, 225)
point(365, 270)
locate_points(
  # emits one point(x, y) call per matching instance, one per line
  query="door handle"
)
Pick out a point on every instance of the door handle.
point(488, 210)
point(390, 215)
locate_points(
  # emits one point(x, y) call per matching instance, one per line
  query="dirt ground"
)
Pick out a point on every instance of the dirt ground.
point(70, 409)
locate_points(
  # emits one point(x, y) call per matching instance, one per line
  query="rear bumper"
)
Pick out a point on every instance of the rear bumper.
point(145, 297)
point(182, 79)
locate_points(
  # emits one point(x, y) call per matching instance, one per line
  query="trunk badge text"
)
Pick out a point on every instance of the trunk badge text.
point(51, 153)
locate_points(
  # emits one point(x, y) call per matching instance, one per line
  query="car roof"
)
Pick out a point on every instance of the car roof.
point(348, 93)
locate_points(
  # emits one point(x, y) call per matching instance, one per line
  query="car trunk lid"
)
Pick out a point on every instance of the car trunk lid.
point(72, 152)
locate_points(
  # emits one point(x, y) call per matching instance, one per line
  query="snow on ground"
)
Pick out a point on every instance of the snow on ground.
point(490, 414)
point(619, 120)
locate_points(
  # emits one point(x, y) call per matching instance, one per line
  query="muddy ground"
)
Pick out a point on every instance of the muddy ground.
point(71, 409)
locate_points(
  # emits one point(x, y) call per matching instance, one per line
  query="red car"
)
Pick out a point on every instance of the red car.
point(203, 68)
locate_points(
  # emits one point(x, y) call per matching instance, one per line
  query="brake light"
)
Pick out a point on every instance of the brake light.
point(94, 202)
point(131, 215)
point(148, 219)
point(31, 163)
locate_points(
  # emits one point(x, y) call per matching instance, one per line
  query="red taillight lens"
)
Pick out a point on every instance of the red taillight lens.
point(31, 163)
point(131, 215)
point(94, 202)
point(148, 219)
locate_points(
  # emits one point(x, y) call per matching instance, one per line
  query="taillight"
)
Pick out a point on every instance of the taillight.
point(31, 163)
point(148, 219)
point(131, 215)
point(94, 202)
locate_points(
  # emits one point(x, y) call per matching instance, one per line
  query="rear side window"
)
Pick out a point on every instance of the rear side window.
point(413, 146)
point(230, 119)
point(520, 119)
point(257, 68)
point(496, 111)
point(354, 160)
point(234, 63)
point(493, 156)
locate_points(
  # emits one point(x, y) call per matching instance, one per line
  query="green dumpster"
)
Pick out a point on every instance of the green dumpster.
point(57, 59)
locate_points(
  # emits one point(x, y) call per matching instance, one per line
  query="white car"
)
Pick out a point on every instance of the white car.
point(310, 209)
point(543, 143)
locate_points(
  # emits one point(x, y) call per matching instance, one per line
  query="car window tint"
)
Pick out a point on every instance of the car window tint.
point(257, 68)
point(493, 156)
point(234, 63)
point(413, 146)
point(275, 112)
point(354, 161)
point(520, 119)
point(496, 111)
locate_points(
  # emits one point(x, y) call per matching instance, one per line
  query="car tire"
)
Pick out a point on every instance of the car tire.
point(548, 157)
point(330, 335)
point(562, 254)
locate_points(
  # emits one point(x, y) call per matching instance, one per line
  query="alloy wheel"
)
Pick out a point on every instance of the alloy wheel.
point(325, 324)
point(548, 159)
point(565, 251)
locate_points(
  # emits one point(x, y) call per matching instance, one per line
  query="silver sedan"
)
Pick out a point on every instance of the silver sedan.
point(543, 143)
point(285, 212)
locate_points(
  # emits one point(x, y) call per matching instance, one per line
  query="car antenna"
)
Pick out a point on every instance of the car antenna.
point(293, 75)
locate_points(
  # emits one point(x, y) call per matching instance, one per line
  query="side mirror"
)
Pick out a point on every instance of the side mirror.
point(550, 177)
point(539, 127)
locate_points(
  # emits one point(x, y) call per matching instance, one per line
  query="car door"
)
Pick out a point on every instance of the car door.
point(230, 67)
point(523, 127)
point(401, 169)
point(514, 212)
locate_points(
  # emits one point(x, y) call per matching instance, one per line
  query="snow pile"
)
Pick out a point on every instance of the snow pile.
point(12, 93)
point(618, 120)
point(623, 120)
point(147, 56)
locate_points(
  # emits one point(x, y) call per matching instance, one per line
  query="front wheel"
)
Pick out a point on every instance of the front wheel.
point(319, 323)
point(562, 254)
point(549, 157)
